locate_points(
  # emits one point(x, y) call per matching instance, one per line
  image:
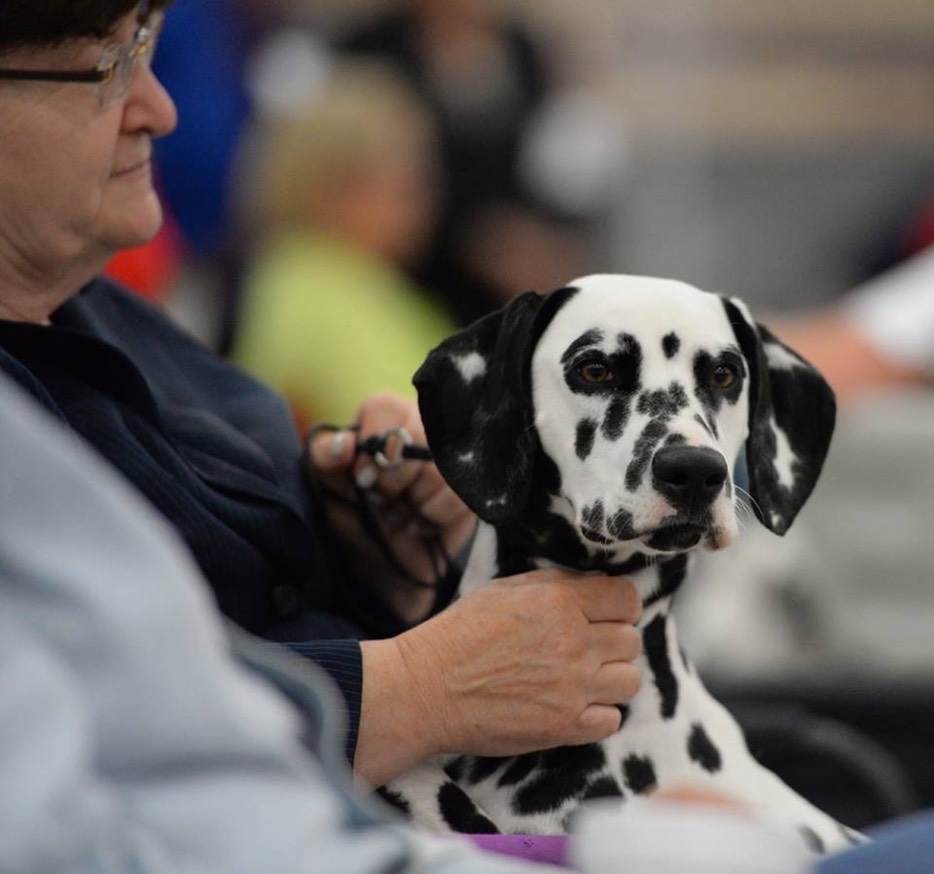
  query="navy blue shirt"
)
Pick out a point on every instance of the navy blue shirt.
point(215, 451)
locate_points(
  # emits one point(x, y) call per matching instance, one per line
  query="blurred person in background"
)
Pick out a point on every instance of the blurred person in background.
point(344, 197)
point(878, 337)
point(486, 82)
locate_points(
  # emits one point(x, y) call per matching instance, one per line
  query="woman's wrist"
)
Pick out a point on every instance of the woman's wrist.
point(400, 713)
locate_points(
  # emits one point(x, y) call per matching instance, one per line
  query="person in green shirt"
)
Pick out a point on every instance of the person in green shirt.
point(344, 197)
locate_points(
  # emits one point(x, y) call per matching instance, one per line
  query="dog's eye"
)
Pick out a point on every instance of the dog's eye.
point(594, 372)
point(723, 375)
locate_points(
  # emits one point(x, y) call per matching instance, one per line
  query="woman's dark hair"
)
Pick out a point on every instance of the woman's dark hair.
point(50, 22)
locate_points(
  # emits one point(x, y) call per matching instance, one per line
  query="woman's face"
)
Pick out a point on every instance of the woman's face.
point(75, 176)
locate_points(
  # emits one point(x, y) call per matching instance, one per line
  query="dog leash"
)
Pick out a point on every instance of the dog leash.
point(393, 448)
point(390, 449)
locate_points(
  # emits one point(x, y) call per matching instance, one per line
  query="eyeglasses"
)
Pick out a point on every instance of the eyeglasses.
point(114, 71)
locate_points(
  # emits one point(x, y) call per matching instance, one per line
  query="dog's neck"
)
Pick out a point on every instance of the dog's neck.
point(505, 550)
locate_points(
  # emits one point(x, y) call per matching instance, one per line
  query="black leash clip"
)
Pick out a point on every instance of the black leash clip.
point(393, 448)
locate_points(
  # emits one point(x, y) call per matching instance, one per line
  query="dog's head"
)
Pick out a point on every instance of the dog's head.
point(638, 395)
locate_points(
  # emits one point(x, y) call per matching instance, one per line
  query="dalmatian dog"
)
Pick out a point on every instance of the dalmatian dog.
point(597, 428)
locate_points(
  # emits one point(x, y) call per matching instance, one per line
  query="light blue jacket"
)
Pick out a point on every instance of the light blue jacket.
point(130, 740)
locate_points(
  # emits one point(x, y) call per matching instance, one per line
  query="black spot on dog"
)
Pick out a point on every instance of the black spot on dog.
point(620, 525)
point(617, 414)
point(564, 774)
point(484, 766)
point(455, 768)
point(627, 364)
point(812, 839)
point(701, 749)
point(394, 799)
point(671, 343)
point(593, 517)
point(655, 645)
point(637, 562)
point(663, 403)
point(583, 443)
point(585, 758)
point(623, 715)
point(602, 787)
point(585, 341)
point(519, 769)
point(639, 773)
point(671, 574)
point(461, 814)
point(650, 437)
point(628, 345)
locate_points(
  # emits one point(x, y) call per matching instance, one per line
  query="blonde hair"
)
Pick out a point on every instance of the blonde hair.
point(303, 158)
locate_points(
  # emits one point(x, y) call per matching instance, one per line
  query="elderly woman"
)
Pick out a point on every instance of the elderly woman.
point(217, 455)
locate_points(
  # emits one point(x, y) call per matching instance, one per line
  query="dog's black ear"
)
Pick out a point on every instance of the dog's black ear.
point(791, 419)
point(475, 401)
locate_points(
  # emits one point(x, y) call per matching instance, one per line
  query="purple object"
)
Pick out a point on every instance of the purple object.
point(533, 848)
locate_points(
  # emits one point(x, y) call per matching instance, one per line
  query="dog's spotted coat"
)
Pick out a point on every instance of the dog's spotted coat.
point(596, 428)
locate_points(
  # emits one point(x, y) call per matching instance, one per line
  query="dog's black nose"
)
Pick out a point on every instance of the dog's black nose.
point(689, 476)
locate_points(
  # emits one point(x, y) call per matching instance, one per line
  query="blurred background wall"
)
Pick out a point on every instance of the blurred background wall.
point(779, 149)
point(775, 150)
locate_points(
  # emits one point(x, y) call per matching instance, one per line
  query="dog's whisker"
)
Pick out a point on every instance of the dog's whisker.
point(747, 500)
point(744, 513)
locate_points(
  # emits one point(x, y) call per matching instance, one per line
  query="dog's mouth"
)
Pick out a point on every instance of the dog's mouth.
point(676, 536)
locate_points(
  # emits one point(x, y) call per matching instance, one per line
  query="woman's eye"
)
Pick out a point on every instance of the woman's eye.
point(723, 376)
point(594, 372)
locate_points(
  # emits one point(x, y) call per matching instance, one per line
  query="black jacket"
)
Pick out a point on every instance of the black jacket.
point(215, 451)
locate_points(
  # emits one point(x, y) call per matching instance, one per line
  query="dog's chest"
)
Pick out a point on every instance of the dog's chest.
point(671, 731)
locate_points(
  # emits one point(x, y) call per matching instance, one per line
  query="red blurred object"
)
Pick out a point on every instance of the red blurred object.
point(151, 270)
point(921, 232)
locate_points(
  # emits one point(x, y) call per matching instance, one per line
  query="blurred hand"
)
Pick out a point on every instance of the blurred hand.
point(533, 661)
point(855, 368)
point(392, 494)
point(693, 793)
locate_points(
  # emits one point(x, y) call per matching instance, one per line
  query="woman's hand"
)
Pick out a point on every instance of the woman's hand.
point(527, 663)
point(393, 494)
